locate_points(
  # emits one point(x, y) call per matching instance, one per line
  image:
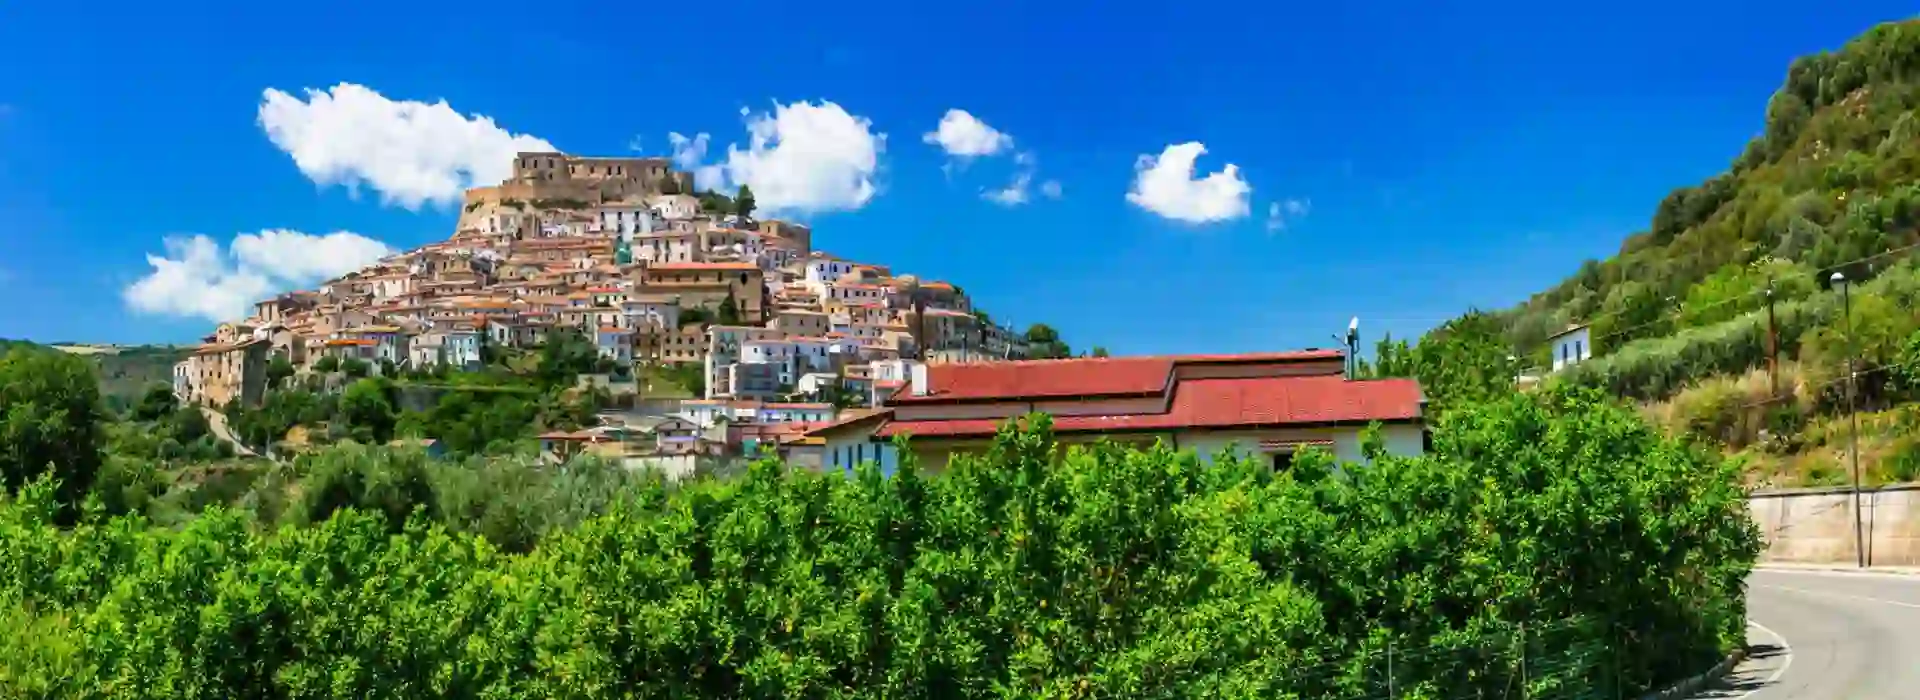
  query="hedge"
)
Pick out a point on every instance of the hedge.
point(1032, 570)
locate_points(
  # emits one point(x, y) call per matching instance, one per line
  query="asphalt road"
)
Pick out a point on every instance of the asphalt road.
point(1829, 636)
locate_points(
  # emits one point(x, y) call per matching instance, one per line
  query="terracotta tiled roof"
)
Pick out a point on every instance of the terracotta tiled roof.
point(1226, 403)
point(705, 266)
point(847, 418)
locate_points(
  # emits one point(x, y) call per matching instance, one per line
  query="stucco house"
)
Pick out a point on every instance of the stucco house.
point(1269, 405)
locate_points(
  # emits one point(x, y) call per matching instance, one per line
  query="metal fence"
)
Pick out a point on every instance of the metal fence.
point(1567, 660)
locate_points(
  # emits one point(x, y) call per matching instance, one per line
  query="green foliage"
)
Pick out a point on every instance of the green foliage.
point(1905, 372)
point(729, 313)
point(1464, 362)
point(392, 484)
point(473, 422)
point(50, 416)
point(1660, 367)
point(326, 364)
point(1874, 334)
point(279, 411)
point(695, 316)
point(715, 203)
point(367, 412)
point(743, 201)
point(1044, 343)
point(1735, 290)
point(279, 369)
point(566, 354)
point(156, 403)
point(690, 376)
point(1560, 525)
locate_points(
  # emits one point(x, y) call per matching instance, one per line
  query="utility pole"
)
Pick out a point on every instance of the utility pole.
point(1853, 418)
point(1773, 350)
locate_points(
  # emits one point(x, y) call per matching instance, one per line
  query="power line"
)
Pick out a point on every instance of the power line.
point(1758, 292)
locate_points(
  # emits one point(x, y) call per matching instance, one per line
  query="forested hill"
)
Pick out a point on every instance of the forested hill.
point(1832, 182)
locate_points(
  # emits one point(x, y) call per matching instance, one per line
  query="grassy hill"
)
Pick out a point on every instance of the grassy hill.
point(1833, 179)
point(124, 371)
point(1680, 316)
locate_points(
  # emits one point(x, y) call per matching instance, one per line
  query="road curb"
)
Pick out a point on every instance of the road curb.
point(1826, 569)
point(1694, 684)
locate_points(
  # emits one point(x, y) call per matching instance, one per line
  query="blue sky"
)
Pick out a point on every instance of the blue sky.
point(1437, 159)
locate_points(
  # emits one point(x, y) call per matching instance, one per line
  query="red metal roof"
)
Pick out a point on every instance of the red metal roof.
point(1226, 403)
point(1043, 378)
point(1089, 377)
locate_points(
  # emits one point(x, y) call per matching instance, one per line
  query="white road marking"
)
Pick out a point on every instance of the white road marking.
point(1785, 648)
point(1840, 595)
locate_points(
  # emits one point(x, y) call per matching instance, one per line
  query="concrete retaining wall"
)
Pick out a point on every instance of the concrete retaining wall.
point(1815, 526)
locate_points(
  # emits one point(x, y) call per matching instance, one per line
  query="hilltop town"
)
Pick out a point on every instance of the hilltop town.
point(625, 253)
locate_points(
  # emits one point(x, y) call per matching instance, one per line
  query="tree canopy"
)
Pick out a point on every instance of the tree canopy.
point(50, 417)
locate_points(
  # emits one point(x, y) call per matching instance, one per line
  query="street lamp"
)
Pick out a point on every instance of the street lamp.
point(1853, 418)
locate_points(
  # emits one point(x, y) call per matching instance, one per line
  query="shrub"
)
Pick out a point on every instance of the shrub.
point(1031, 570)
point(1657, 368)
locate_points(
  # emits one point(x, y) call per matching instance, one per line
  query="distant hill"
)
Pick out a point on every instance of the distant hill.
point(1832, 182)
point(124, 371)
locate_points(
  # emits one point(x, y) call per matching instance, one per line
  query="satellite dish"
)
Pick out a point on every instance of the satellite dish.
point(1354, 325)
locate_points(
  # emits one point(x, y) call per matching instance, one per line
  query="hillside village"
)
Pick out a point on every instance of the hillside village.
point(781, 345)
point(624, 252)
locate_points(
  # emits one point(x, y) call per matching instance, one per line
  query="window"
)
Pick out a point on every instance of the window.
point(1283, 460)
point(1579, 350)
point(1563, 352)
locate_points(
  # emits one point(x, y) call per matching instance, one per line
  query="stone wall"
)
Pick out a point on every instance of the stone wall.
point(1815, 526)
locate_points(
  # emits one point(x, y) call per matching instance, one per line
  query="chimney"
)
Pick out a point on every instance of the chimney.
point(918, 383)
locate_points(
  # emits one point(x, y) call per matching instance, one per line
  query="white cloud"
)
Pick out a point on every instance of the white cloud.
point(1281, 214)
point(963, 135)
point(1165, 185)
point(413, 153)
point(688, 153)
point(802, 158)
point(1014, 194)
point(195, 278)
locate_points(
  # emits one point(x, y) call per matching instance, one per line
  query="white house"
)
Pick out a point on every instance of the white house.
point(822, 271)
point(675, 207)
point(1571, 346)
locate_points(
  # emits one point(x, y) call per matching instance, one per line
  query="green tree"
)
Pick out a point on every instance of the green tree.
point(1099, 351)
point(367, 412)
point(156, 402)
point(1738, 289)
point(279, 369)
point(1044, 343)
point(327, 364)
point(1464, 362)
point(743, 201)
point(729, 314)
point(50, 417)
point(565, 355)
point(1906, 368)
